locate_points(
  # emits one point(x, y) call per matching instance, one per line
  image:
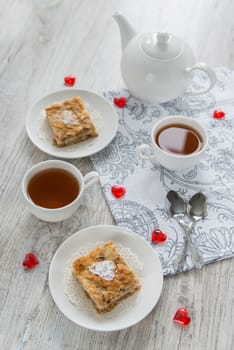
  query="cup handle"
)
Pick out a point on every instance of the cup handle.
point(143, 149)
point(206, 69)
point(90, 178)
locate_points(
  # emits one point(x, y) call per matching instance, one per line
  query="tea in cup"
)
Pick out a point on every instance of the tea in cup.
point(53, 189)
point(178, 143)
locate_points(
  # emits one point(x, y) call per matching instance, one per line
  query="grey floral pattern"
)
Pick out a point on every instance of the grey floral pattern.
point(118, 159)
point(143, 208)
point(134, 216)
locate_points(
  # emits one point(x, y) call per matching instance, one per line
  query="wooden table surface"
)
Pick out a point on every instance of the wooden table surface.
point(39, 46)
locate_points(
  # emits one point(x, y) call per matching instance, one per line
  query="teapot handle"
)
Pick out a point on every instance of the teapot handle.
point(207, 70)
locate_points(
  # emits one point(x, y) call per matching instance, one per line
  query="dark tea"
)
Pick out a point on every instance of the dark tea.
point(179, 139)
point(53, 188)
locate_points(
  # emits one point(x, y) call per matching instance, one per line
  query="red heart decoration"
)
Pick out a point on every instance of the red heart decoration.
point(181, 317)
point(118, 191)
point(218, 114)
point(120, 102)
point(30, 261)
point(69, 80)
point(158, 236)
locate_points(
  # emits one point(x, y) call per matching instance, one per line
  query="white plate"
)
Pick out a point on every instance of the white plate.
point(151, 283)
point(103, 115)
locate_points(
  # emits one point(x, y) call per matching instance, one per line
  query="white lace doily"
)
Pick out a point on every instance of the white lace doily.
point(77, 296)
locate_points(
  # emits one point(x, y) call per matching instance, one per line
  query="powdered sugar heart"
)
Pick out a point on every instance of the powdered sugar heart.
point(104, 269)
point(181, 317)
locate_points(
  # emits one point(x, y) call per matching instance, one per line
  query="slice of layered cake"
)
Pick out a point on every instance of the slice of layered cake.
point(105, 277)
point(70, 122)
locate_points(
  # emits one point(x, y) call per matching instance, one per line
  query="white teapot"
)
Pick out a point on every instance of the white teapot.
point(158, 67)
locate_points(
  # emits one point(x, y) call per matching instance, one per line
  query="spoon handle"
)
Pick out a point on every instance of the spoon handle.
point(196, 258)
point(188, 244)
point(180, 261)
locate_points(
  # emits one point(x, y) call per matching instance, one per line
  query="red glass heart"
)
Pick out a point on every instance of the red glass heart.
point(69, 80)
point(158, 236)
point(120, 101)
point(181, 317)
point(118, 191)
point(30, 261)
point(218, 114)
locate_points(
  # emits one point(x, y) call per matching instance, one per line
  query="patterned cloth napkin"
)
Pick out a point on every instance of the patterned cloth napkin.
point(143, 208)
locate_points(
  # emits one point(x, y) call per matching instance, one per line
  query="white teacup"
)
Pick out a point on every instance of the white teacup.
point(168, 159)
point(63, 212)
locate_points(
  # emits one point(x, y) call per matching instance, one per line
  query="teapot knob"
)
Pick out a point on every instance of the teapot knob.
point(163, 37)
point(161, 45)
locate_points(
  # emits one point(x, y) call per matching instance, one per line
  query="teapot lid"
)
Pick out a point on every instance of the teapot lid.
point(163, 46)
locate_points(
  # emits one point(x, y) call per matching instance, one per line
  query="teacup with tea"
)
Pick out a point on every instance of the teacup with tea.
point(177, 143)
point(53, 189)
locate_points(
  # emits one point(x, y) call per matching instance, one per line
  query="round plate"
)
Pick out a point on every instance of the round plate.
point(151, 283)
point(103, 115)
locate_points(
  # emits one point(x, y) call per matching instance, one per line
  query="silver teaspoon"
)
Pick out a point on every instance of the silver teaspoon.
point(178, 209)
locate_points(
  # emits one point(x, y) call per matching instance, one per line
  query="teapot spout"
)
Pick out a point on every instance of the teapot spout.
point(127, 32)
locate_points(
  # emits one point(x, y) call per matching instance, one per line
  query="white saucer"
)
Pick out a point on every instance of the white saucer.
point(103, 115)
point(149, 294)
